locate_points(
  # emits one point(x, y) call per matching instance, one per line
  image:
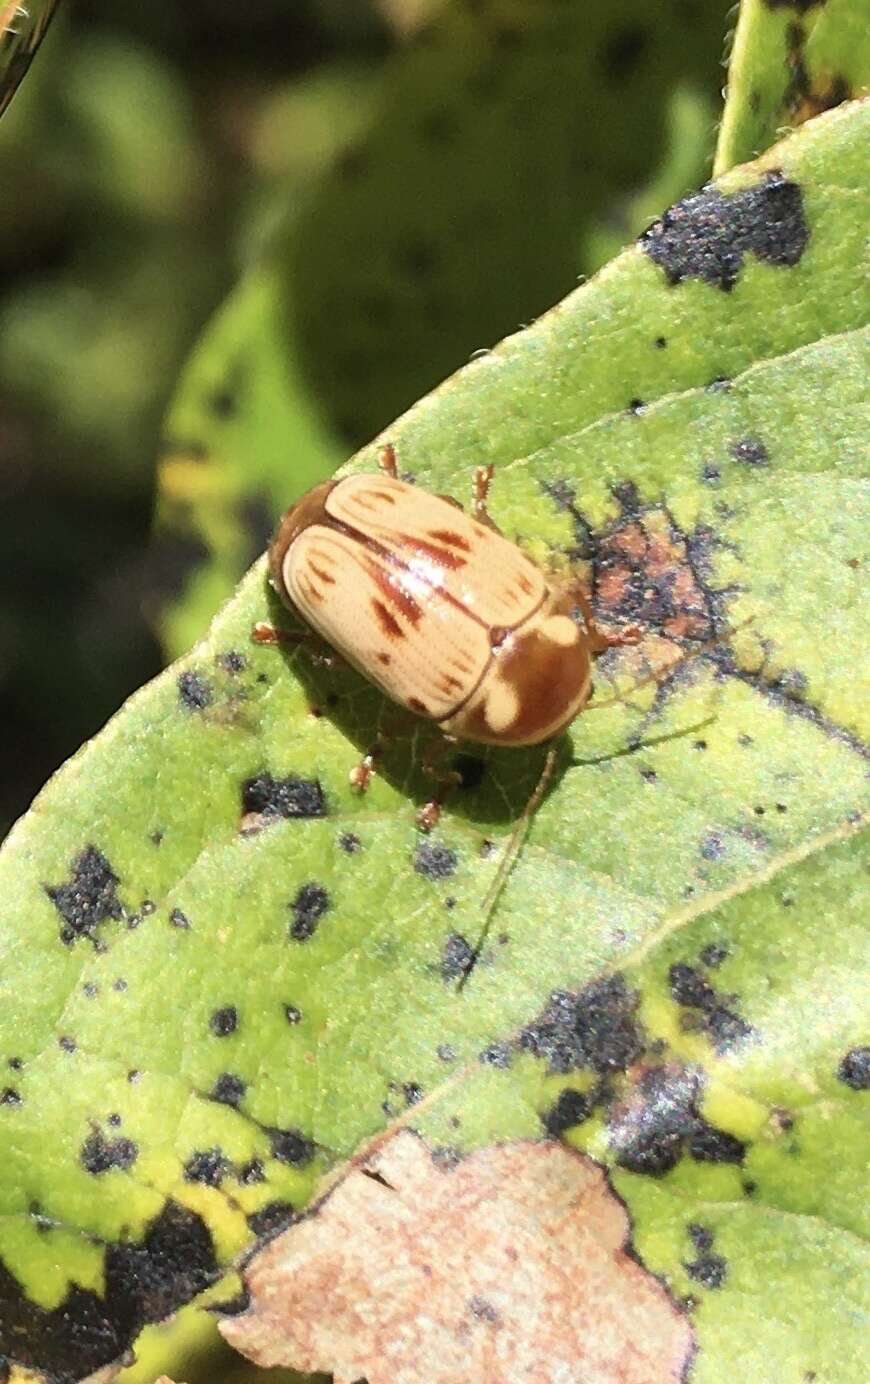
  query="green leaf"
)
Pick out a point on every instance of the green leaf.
point(790, 60)
point(223, 970)
point(415, 247)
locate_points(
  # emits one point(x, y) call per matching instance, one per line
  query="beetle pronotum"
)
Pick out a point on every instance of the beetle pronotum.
point(446, 616)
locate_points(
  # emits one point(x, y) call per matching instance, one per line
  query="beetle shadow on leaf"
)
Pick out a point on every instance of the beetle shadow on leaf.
point(495, 783)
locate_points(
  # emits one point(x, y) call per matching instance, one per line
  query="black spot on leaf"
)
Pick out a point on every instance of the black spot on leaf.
point(66, 1043)
point(701, 1237)
point(714, 954)
point(271, 1218)
point(9, 1096)
point(230, 1307)
point(571, 1108)
point(288, 797)
point(289, 1146)
point(229, 1089)
point(88, 898)
point(100, 1155)
point(233, 662)
point(194, 690)
point(179, 919)
point(252, 1172)
point(854, 1069)
point(750, 452)
point(708, 1269)
point(308, 907)
point(456, 958)
point(706, 236)
point(209, 1166)
point(660, 1121)
point(434, 861)
point(349, 843)
point(723, 1025)
point(497, 1055)
point(144, 1282)
point(596, 1028)
point(292, 1014)
point(710, 1145)
point(224, 1021)
point(648, 1133)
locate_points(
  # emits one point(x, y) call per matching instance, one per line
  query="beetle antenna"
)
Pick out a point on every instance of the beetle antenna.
point(518, 836)
point(688, 656)
point(520, 831)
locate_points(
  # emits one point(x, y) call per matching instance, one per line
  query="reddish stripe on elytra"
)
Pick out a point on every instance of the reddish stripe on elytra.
point(385, 659)
point(416, 705)
point(395, 594)
point(388, 623)
point(453, 540)
point(324, 576)
point(449, 683)
point(421, 548)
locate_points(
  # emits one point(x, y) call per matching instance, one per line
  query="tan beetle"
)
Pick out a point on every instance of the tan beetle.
point(446, 616)
point(438, 609)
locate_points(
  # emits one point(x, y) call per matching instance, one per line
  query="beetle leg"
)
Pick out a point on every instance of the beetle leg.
point(482, 485)
point(264, 633)
point(600, 639)
point(445, 779)
point(362, 774)
point(388, 462)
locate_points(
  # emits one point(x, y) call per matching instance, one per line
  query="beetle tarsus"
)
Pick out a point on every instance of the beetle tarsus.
point(361, 774)
point(482, 485)
point(429, 815)
point(264, 633)
point(388, 461)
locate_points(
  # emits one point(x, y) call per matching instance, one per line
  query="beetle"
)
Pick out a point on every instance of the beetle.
point(448, 618)
point(438, 609)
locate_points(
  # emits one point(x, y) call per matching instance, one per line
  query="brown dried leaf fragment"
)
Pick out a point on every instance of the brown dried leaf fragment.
point(510, 1265)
